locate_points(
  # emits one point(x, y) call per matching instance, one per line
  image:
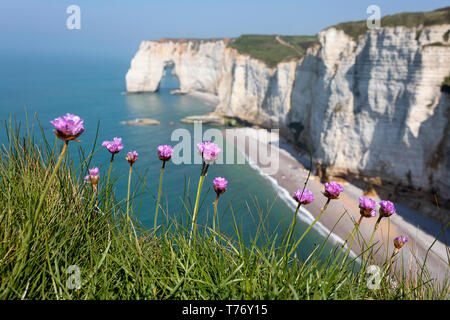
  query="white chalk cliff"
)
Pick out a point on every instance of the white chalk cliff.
point(369, 106)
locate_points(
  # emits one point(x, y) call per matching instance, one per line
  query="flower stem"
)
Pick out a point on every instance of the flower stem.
point(214, 216)
point(373, 233)
point(159, 194)
point(197, 199)
point(292, 227)
point(107, 183)
point(128, 192)
point(309, 228)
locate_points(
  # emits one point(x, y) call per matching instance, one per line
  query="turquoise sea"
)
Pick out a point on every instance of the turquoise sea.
point(94, 89)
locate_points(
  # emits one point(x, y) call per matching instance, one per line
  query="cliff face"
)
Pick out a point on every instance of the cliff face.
point(368, 106)
point(198, 65)
point(375, 106)
point(246, 87)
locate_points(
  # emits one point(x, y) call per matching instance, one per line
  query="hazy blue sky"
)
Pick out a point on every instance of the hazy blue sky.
point(115, 28)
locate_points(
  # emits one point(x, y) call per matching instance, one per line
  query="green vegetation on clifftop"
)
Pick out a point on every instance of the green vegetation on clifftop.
point(406, 19)
point(272, 49)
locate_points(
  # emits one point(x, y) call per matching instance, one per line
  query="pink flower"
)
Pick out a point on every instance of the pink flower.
point(165, 152)
point(68, 127)
point(387, 208)
point(367, 207)
point(400, 241)
point(113, 146)
point(93, 176)
point(332, 190)
point(220, 185)
point(209, 151)
point(305, 198)
point(132, 157)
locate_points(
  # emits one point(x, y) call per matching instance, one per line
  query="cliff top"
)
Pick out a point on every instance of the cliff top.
point(273, 49)
point(406, 19)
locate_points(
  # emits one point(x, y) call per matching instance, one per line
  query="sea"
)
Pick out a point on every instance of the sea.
point(94, 88)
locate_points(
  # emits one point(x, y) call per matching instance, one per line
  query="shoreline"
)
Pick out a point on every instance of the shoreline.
point(292, 175)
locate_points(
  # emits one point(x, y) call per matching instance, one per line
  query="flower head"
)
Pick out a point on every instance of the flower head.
point(387, 208)
point(68, 127)
point(367, 207)
point(93, 176)
point(332, 190)
point(209, 151)
point(400, 241)
point(113, 146)
point(132, 157)
point(220, 185)
point(305, 198)
point(165, 152)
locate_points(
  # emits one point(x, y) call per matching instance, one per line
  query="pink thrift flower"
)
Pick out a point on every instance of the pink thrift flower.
point(132, 157)
point(387, 208)
point(332, 190)
point(68, 127)
point(93, 176)
point(305, 198)
point(367, 207)
point(209, 151)
point(400, 241)
point(165, 152)
point(113, 146)
point(220, 185)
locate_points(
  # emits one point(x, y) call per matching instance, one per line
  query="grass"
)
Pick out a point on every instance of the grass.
point(117, 258)
point(445, 86)
point(270, 50)
point(405, 19)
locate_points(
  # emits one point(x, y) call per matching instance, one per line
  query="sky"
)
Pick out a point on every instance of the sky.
point(113, 28)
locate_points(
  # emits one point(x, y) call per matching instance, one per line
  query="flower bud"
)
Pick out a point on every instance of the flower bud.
point(220, 185)
point(132, 157)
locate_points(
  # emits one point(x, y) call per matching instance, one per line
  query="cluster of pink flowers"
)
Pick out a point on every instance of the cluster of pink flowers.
point(332, 190)
point(367, 208)
point(387, 208)
point(304, 197)
point(68, 127)
point(114, 146)
point(209, 151)
point(165, 152)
